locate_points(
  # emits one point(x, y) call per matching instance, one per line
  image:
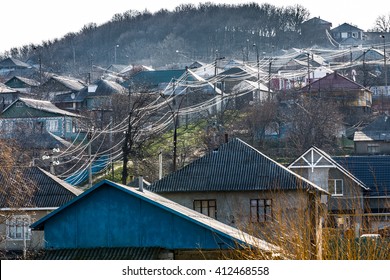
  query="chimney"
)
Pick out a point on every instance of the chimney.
point(226, 137)
point(141, 183)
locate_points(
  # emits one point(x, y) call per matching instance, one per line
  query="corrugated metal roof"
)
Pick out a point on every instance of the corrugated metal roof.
point(374, 171)
point(104, 88)
point(153, 78)
point(124, 253)
point(5, 89)
point(51, 192)
point(234, 166)
point(29, 82)
point(69, 82)
point(46, 106)
point(13, 62)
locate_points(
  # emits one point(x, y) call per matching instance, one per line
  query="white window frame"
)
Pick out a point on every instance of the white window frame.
point(17, 225)
point(52, 125)
point(336, 187)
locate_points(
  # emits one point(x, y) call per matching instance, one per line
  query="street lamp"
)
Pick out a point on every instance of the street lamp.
point(384, 66)
point(258, 67)
point(116, 46)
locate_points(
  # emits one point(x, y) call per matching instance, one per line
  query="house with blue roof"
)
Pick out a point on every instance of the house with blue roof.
point(136, 223)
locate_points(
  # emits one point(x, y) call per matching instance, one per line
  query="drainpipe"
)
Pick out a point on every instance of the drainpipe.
point(141, 183)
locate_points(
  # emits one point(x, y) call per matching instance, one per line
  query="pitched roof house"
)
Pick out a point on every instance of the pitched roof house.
point(240, 186)
point(22, 84)
point(49, 193)
point(347, 35)
point(373, 138)
point(118, 217)
point(25, 113)
point(341, 89)
point(345, 205)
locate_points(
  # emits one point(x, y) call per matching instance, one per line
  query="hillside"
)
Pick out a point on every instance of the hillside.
point(188, 33)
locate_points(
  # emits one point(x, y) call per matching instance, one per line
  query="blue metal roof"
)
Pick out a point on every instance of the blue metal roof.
point(234, 166)
point(374, 171)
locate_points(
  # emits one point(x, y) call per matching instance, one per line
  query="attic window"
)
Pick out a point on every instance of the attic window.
point(19, 104)
point(335, 187)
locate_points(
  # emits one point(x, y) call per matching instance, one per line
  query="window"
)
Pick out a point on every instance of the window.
point(17, 226)
point(373, 148)
point(19, 104)
point(207, 207)
point(335, 187)
point(52, 125)
point(261, 210)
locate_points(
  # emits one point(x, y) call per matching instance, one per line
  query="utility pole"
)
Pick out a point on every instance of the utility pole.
point(126, 148)
point(89, 159)
point(269, 79)
point(384, 69)
point(258, 69)
point(308, 71)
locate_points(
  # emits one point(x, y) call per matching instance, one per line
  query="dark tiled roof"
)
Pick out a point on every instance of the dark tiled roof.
point(101, 254)
point(51, 192)
point(334, 82)
point(373, 171)
point(345, 27)
point(234, 166)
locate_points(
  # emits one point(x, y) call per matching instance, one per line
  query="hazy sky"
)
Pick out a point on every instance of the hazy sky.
point(32, 21)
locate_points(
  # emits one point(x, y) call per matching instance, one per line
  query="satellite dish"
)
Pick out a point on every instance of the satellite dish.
point(72, 95)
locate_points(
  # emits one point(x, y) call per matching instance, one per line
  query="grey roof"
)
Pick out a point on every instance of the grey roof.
point(69, 82)
point(13, 62)
point(51, 192)
point(29, 82)
point(120, 253)
point(247, 86)
point(6, 89)
point(103, 88)
point(234, 166)
point(378, 130)
point(46, 106)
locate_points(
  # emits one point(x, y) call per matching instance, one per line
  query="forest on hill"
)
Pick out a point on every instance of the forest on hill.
point(188, 33)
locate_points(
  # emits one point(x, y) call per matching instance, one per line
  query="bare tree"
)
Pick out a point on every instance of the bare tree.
point(313, 121)
point(16, 191)
point(382, 23)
